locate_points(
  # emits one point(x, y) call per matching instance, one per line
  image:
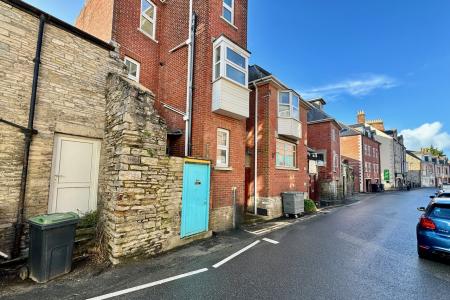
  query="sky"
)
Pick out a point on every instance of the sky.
point(388, 58)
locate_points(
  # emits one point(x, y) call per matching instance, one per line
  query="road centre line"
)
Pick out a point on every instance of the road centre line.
point(270, 241)
point(147, 285)
point(235, 254)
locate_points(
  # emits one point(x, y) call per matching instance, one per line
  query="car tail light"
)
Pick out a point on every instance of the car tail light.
point(427, 223)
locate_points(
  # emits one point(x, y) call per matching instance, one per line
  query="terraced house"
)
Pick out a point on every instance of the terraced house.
point(276, 143)
point(192, 55)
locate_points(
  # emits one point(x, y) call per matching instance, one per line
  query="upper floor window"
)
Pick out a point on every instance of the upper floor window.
point(134, 68)
point(228, 10)
point(148, 18)
point(286, 154)
point(231, 62)
point(288, 105)
point(223, 148)
point(333, 134)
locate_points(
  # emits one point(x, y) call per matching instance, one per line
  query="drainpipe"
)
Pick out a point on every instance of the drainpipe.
point(190, 81)
point(256, 152)
point(29, 131)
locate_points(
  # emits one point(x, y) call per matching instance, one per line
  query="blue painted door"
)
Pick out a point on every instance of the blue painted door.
point(195, 201)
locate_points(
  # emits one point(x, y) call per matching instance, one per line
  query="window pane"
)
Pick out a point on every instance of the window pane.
point(132, 68)
point(227, 14)
point(222, 157)
point(295, 100)
point(235, 74)
point(284, 97)
point(235, 58)
point(228, 2)
point(221, 138)
point(295, 113)
point(148, 9)
point(217, 55)
point(217, 70)
point(284, 111)
point(146, 26)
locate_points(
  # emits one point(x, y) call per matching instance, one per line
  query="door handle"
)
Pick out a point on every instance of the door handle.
point(198, 182)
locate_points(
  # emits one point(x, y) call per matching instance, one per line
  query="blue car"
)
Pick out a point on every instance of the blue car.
point(433, 229)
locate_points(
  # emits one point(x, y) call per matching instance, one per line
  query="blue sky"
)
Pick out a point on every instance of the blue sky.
point(388, 58)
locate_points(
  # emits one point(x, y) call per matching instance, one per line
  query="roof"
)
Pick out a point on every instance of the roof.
point(58, 23)
point(255, 72)
point(411, 153)
point(441, 201)
point(321, 100)
point(348, 131)
point(317, 115)
point(258, 75)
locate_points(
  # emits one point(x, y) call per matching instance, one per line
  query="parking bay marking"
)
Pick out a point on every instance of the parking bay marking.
point(147, 285)
point(270, 241)
point(235, 254)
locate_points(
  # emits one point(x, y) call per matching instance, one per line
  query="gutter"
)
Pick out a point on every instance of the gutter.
point(28, 131)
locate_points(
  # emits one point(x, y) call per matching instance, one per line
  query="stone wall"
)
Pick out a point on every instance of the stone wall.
point(70, 100)
point(142, 207)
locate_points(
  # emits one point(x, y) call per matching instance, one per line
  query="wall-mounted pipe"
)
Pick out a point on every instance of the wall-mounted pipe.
point(255, 130)
point(190, 81)
point(28, 138)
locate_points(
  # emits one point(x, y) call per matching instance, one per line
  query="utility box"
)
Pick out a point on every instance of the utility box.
point(293, 203)
point(51, 245)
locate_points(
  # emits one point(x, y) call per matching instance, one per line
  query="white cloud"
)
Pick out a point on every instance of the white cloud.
point(426, 135)
point(362, 86)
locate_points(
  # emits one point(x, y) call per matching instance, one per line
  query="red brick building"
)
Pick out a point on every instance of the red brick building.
point(362, 152)
point(194, 59)
point(323, 137)
point(281, 122)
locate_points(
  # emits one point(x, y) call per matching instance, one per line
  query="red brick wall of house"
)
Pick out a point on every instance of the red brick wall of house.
point(320, 138)
point(96, 18)
point(374, 173)
point(350, 151)
point(271, 180)
point(165, 73)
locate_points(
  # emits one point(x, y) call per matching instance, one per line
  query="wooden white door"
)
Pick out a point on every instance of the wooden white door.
point(74, 178)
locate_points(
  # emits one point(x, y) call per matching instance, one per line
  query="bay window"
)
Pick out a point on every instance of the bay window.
point(286, 154)
point(231, 62)
point(288, 105)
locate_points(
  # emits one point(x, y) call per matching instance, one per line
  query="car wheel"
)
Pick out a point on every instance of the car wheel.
point(422, 252)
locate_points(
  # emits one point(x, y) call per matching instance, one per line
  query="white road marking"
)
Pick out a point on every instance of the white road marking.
point(235, 254)
point(147, 285)
point(270, 241)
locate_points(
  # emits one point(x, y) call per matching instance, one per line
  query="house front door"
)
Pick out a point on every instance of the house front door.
point(74, 178)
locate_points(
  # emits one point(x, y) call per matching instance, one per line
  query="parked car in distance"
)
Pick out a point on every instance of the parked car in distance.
point(441, 195)
point(433, 229)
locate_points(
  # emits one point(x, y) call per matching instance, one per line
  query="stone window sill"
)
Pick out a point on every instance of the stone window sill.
point(287, 169)
point(223, 168)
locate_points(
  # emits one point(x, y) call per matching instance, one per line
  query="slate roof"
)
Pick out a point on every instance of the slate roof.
point(348, 131)
point(256, 72)
point(316, 114)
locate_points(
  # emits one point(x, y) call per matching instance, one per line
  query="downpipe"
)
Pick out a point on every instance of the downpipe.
point(28, 131)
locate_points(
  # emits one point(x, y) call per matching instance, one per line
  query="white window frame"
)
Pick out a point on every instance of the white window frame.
point(226, 148)
point(291, 106)
point(153, 21)
point(225, 44)
point(333, 134)
point(138, 68)
point(324, 161)
point(285, 143)
point(230, 8)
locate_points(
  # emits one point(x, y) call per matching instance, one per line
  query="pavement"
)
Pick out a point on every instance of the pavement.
point(365, 250)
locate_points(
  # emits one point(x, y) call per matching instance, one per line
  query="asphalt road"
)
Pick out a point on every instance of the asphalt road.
point(363, 251)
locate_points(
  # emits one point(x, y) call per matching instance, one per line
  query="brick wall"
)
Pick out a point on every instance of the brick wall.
point(96, 18)
point(374, 173)
point(70, 100)
point(351, 151)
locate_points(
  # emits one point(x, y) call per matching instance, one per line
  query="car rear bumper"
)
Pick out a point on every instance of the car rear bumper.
point(433, 242)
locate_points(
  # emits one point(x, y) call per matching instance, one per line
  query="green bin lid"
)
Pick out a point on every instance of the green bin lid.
point(54, 218)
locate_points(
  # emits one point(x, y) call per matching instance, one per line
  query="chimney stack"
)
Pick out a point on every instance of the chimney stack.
point(361, 117)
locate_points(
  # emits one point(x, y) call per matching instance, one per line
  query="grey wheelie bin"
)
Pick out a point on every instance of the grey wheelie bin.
point(51, 245)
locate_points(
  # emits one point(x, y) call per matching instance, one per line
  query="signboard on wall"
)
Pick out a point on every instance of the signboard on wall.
point(387, 176)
